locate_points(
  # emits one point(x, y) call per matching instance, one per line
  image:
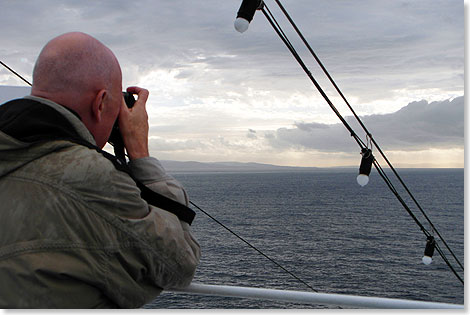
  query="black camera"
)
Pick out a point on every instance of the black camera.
point(115, 139)
point(129, 99)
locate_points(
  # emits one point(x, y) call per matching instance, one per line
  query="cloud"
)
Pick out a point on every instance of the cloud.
point(421, 125)
point(417, 126)
point(251, 134)
point(160, 144)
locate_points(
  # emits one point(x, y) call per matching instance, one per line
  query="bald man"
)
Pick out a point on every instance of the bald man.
point(74, 229)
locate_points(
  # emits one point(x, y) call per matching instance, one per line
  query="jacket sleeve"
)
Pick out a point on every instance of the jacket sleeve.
point(152, 174)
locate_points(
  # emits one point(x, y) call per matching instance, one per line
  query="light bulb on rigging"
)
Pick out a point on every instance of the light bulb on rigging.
point(365, 168)
point(429, 251)
point(241, 24)
point(362, 179)
point(245, 14)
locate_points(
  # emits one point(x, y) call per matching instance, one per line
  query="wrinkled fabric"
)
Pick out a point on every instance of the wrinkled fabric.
point(74, 232)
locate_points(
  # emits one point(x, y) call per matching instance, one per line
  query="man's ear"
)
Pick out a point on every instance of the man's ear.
point(98, 105)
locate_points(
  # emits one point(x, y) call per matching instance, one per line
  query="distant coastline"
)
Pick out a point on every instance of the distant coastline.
point(193, 166)
point(197, 167)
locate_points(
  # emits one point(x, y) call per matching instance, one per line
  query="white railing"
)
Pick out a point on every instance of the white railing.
point(351, 301)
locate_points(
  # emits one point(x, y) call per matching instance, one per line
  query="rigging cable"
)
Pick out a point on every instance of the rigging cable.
point(253, 247)
point(214, 219)
point(368, 134)
point(291, 48)
point(14, 72)
point(271, 19)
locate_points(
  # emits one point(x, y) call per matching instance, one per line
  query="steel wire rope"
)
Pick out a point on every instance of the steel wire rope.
point(368, 134)
point(15, 73)
point(270, 17)
point(253, 247)
point(272, 20)
point(427, 233)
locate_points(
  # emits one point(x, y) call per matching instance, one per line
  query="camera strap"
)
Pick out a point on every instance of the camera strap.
point(33, 122)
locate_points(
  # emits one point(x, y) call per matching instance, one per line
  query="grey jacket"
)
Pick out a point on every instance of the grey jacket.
point(74, 232)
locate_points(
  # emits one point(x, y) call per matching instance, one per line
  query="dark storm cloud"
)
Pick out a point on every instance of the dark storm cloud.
point(417, 126)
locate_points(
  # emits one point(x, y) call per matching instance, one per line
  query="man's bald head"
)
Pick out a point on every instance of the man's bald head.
point(74, 63)
point(77, 71)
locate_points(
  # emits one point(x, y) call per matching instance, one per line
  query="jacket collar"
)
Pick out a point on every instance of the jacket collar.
point(33, 119)
point(71, 116)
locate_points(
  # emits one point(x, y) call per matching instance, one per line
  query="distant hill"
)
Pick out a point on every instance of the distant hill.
point(191, 166)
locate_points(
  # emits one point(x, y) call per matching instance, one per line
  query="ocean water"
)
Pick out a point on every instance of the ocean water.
point(322, 226)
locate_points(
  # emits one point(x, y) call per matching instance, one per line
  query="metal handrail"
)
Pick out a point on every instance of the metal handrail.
point(351, 301)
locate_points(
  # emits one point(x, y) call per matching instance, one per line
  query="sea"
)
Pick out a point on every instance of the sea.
point(330, 232)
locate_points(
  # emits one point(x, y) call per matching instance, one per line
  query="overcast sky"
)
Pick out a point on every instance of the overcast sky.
point(218, 95)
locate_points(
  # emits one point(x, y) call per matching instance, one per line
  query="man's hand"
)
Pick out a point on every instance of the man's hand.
point(133, 123)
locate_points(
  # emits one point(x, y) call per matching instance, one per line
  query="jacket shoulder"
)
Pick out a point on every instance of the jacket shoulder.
point(90, 178)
